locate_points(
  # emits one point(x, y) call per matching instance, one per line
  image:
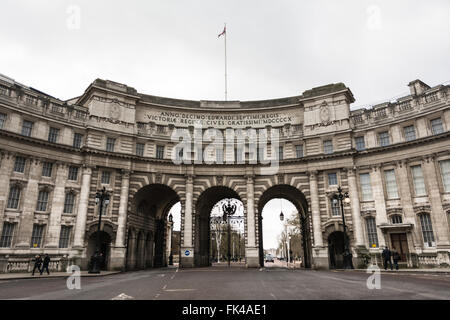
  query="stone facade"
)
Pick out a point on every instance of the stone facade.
point(393, 159)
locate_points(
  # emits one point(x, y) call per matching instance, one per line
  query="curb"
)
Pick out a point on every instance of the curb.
point(60, 276)
point(415, 271)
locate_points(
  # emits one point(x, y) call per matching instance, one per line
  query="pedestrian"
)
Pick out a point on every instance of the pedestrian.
point(395, 257)
point(45, 264)
point(386, 255)
point(37, 264)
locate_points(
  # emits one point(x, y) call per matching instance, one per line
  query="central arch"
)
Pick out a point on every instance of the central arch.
point(203, 208)
point(148, 234)
point(298, 199)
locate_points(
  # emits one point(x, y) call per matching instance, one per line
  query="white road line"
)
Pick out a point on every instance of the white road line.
point(275, 298)
point(179, 290)
point(165, 286)
point(123, 296)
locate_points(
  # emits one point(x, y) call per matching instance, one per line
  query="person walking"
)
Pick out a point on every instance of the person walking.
point(386, 255)
point(37, 264)
point(395, 257)
point(45, 264)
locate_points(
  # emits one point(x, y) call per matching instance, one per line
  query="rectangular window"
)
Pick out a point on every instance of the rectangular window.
point(445, 172)
point(332, 179)
point(240, 155)
point(366, 188)
point(77, 140)
point(69, 202)
point(299, 150)
point(53, 135)
point(19, 164)
point(159, 152)
point(47, 168)
point(140, 149)
point(42, 201)
point(73, 173)
point(418, 181)
point(360, 143)
point(160, 129)
point(7, 235)
point(280, 153)
point(410, 133)
point(14, 197)
point(328, 146)
point(335, 209)
point(36, 237)
point(436, 126)
point(110, 142)
point(383, 138)
point(391, 184)
point(2, 120)
point(64, 236)
point(27, 127)
point(179, 153)
point(372, 232)
point(106, 177)
point(427, 230)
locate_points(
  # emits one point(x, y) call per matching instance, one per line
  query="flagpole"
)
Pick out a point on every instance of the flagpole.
point(225, 62)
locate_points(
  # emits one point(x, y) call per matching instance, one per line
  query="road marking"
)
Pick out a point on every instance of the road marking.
point(161, 275)
point(165, 286)
point(275, 298)
point(123, 296)
point(179, 290)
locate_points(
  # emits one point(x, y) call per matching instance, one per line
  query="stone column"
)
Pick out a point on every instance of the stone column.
point(438, 215)
point(251, 249)
point(80, 227)
point(356, 208)
point(315, 210)
point(380, 203)
point(118, 252)
point(319, 253)
point(28, 198)
point(54, 225)
point(406, 202)
point(7, 163)
point(187, 246)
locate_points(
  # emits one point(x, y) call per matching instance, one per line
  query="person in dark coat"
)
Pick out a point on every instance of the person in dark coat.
point(37, 264)
point(45, 264)
point(386, 255)
point(396, 257)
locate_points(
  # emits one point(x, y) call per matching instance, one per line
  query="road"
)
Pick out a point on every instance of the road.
point(221, 283)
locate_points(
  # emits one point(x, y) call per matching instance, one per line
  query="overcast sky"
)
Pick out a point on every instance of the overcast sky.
point(275, 48)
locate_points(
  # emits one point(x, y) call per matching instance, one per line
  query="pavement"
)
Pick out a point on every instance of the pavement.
point(235, 283)
point(14, 275)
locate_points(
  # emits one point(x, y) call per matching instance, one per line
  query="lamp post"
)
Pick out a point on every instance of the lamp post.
point(228, 210)
point(171, 226)
point(347, 255)
point(101, 197)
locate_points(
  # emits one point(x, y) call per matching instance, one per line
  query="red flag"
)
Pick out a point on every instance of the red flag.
point(223, 32)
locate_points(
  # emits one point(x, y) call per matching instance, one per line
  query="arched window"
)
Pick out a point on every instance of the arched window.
point(372, 232)
point(427, 229)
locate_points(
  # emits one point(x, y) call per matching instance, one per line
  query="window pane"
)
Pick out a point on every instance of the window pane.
point(299, 150)
point(419, 184)
point(332, 179)
point(73, 173)
point(42, 201)
point(110, 142)
point(384, 138)
point(159, 152)
point(36, 237)
point(410, 133)
point(64, 236)
point(19, 164)
point(106, 177)
point(335, 208)
point(77, 139)
point(280, 153)
point(7, 235)
point(2, 120)
point(69, 202)
point(47, 168)
point(360, 143)
point(140, 149)
point(328, 146)
point(27, 126)
point(445, 172)
point(366, 188)
point(427, 230)
point(372, 232)
point(53, 135)
point(14, 196)
point(391, 184)
point(436, 126)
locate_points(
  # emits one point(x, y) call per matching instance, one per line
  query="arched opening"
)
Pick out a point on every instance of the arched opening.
point(149, 229)
point(204, 207)
point(336, 250)
point(174, 228)
point(301, 224)
point(105, 245)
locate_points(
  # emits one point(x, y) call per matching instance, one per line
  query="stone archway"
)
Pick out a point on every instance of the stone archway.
point(148, 219)
point(204, 205)
point(298, 199)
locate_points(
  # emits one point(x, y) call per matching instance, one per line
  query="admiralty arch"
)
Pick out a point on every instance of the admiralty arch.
point(393, 159)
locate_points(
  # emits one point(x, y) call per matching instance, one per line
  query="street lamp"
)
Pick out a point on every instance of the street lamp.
point(347, 255)
point(101, 197)
point(171, 226)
